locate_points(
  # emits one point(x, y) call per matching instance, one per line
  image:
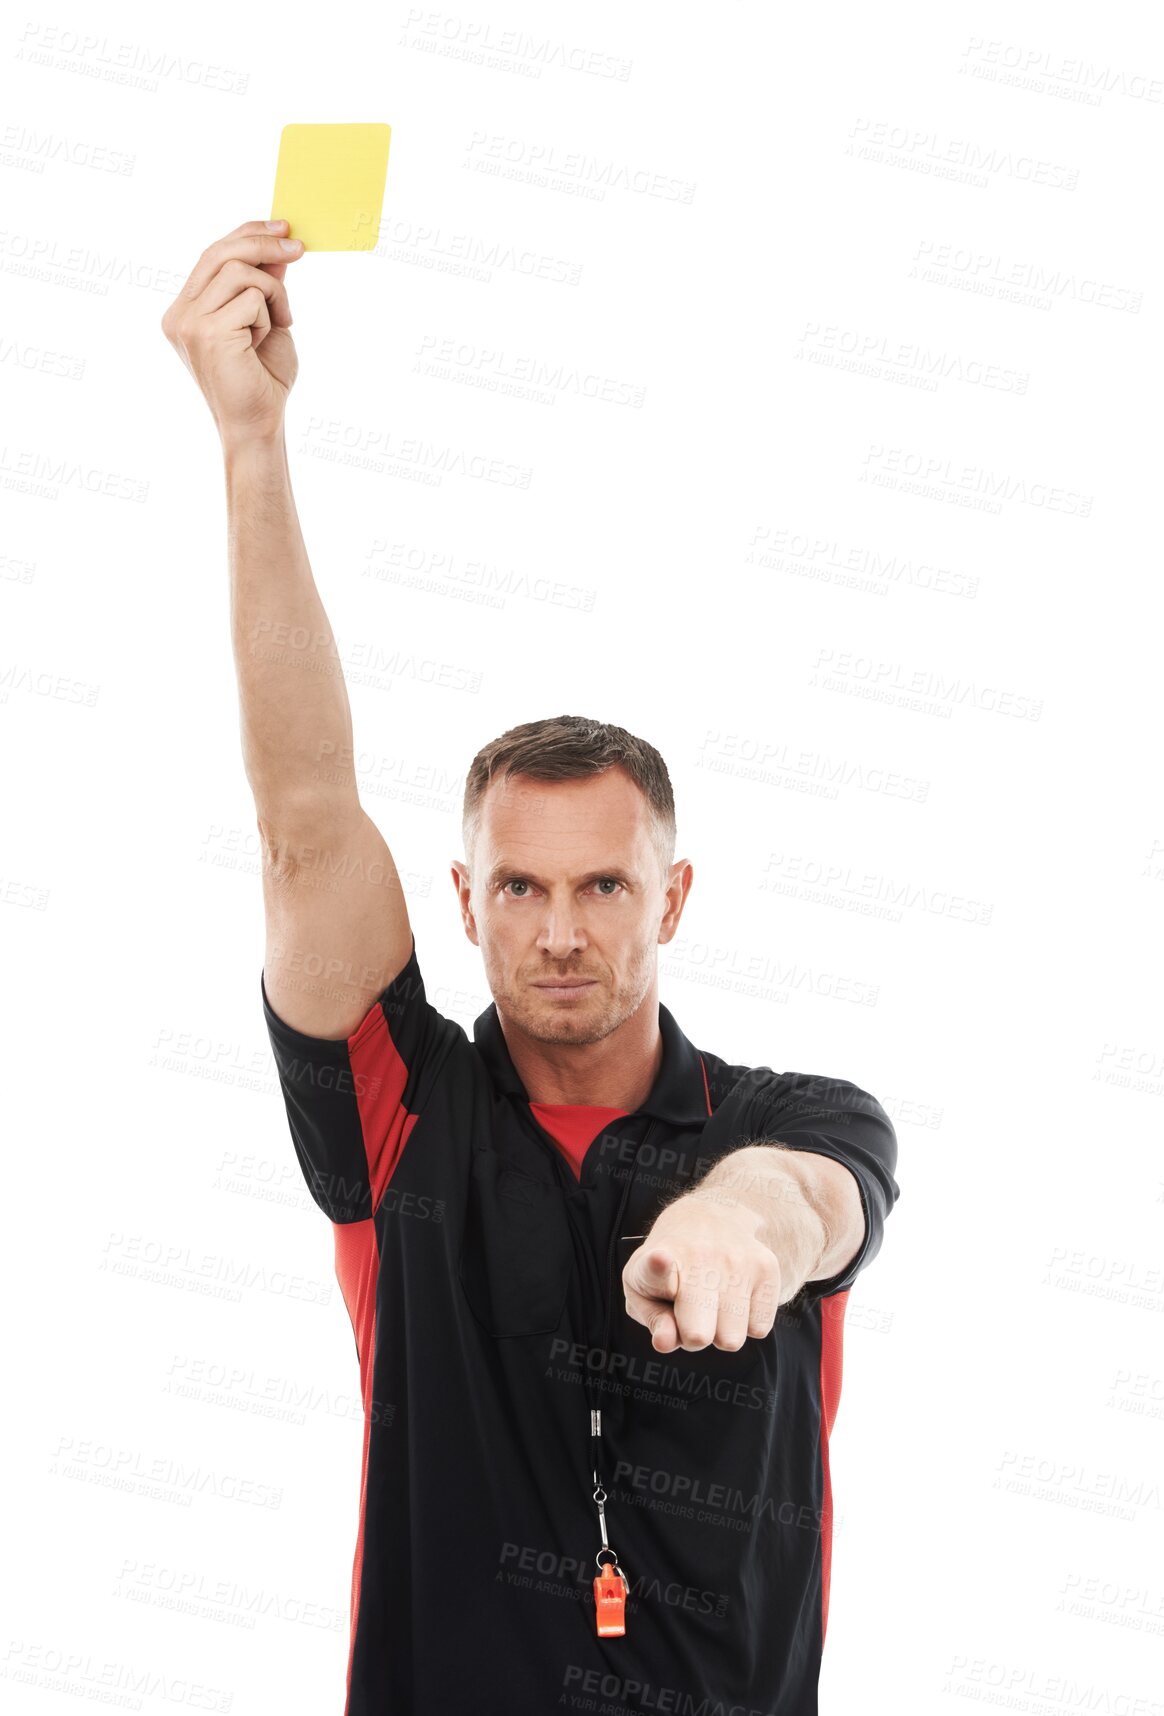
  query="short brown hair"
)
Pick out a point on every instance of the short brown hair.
point(569, 747)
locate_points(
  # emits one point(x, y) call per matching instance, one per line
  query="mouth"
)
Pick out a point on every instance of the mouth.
point(567, 986)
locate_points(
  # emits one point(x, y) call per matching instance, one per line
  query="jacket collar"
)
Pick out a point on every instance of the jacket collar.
point(678, 1095)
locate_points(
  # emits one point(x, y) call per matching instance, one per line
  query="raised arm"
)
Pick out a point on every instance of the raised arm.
point(337, 926)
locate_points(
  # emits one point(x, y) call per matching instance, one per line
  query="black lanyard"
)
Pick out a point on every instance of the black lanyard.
point(599, 1308)
point(597, 1296)
point(606, 1309)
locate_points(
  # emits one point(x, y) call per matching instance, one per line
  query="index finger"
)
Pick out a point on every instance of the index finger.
point(251, 242)
point(657, 1316)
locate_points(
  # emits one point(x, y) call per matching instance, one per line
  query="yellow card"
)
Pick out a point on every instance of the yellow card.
point(329, 184)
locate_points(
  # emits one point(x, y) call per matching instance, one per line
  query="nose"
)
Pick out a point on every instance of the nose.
point(560, 935)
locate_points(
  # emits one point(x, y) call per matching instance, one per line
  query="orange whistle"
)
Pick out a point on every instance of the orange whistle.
point(609, 1600)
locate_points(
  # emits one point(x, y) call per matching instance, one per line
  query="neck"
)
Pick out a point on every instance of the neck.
point(619, 1071)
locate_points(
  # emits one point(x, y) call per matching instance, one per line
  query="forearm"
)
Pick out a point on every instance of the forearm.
point(762, 1182)
point(295, 719)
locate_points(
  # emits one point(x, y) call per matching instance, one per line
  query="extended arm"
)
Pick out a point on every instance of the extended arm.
point(337, 922)
point(808, 1208)
point(720, 1259)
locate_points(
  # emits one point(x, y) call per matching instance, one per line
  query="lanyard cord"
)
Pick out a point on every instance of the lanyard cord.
point(592, 1390)
point(606, 1301)
point(580, 1225)
point(596, 1443)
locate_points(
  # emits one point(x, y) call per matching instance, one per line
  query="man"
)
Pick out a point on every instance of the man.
point(596, 1277)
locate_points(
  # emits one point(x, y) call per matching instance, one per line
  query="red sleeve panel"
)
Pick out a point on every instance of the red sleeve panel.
point(352, 1102)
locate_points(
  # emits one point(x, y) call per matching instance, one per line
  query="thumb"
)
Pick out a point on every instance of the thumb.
point(654, 1272)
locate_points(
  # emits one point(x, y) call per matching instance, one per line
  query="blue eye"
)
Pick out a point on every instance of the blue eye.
point(520, 881)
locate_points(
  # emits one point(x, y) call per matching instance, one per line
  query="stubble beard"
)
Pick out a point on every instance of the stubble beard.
point(587, 1020)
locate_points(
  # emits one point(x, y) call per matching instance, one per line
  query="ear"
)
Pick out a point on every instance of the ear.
point(678, 887)
point(460, 876)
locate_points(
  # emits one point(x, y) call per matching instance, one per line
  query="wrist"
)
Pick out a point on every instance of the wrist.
point(748, 1210)
point(260, 452)
point(772, 1204)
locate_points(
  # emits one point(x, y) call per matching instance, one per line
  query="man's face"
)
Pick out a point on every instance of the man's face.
point(567, 904)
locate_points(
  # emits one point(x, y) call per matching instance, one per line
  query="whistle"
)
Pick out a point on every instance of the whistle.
point(609, 1602)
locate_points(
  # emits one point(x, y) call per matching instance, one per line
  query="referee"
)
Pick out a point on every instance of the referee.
point(596, 1276)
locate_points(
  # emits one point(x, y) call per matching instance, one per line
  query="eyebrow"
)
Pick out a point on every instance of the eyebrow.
point(507, 871)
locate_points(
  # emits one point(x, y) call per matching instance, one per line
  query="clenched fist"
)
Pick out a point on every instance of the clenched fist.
point(229, 325)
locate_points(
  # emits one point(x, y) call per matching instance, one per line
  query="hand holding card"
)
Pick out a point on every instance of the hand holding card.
point(329, 184)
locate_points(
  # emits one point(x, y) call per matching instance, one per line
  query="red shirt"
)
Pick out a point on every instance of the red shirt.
point(574, 1126)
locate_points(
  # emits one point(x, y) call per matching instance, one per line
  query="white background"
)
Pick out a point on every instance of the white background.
point(911, 725)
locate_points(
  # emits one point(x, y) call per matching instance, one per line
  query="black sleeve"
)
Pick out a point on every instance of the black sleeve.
point(831, 1117)
point(353, 1101)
